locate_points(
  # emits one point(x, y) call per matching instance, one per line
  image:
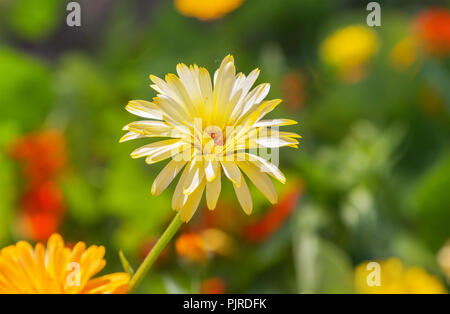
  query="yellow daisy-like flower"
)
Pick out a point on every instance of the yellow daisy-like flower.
point(392, 277)
point(207, 9)
point(349, 47)
point(211, 126)
point(57, 269)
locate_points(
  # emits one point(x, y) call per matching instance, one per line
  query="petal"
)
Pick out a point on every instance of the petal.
point(274, 122)
point(194, 177)
point(211, 169)
point(166, 176)
point(177, 199)
point(154, 148)
point(244, 197)
point(232, 172)
point(260, 180)
point(213, 191)
point(191, 202)
point(144, 109)
point(130, 136)
point(264, 165)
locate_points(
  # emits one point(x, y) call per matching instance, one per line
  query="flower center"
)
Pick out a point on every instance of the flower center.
point(215, 133)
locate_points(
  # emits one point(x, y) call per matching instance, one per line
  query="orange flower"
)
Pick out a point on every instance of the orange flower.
point(191, 246)
point(213, 285)
point(57, 269)
point(275, 217)
point(197, 246)
point(433, 29)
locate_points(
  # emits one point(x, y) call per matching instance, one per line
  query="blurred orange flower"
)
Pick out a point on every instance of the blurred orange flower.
point(213, 285)
point(433, 29)
point(57, 269)
point(197, 246)
point(191, 247)
point(207, 9)
point(276, 216)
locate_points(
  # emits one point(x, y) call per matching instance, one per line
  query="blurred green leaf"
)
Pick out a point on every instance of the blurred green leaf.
point(35, 19)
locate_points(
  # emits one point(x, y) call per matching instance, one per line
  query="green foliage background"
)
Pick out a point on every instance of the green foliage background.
point(376, 165)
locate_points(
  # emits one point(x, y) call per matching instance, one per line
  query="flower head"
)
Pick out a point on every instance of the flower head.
point(57, 269)
point(207, 9)
point(394, 277)
point(215, 128)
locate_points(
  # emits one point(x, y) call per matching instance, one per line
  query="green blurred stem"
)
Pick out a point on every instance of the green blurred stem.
point(155, 252)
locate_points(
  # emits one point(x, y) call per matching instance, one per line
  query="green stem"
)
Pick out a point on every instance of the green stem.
point(155, 252)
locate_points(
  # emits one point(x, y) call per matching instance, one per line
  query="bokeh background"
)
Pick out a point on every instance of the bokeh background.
point(370, 181)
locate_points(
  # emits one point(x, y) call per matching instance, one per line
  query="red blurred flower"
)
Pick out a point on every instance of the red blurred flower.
point(433, 29)
point(43, 154)
point(42, 210)
point(275, 217)
point(214, 285)
point(43, 197)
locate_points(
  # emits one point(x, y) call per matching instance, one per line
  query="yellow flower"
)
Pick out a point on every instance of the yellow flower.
point(394, 278)
point(56, 269)
point(349, 47)
point(212, 126)
point(404, 54)
point(207, 9)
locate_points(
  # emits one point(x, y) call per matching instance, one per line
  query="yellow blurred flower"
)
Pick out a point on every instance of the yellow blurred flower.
point(404, 53)
point(349, 48)
point(211, 123)
point(395, 278)
point(207, 9)
point(57, 269)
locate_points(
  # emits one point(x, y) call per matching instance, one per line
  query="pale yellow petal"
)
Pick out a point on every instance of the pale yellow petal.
point(144, 109)
point(260, 180)
point(166, 176)
point(232, 172)
point(191, 203)
point(211, 169)
point(244, 197)
point(213, 191)
point(264, 165)
point(194, 177)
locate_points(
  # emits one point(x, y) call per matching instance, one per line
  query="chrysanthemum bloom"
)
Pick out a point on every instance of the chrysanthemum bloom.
point(57, 269)
point(207, 9)
point(433, 29)
point(349, 49)
point(212, 126)
point(393, 277)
